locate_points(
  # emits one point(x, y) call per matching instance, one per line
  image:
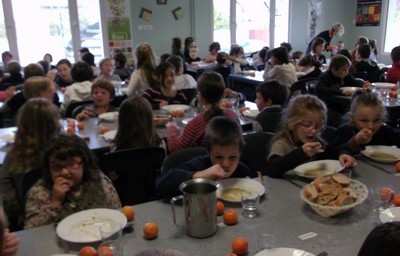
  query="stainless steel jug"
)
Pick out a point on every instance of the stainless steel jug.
point(199, 205)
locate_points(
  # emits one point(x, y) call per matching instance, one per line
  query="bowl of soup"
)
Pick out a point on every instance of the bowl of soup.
point(383, 154)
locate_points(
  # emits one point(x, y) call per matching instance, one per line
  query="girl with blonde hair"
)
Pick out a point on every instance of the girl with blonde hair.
point(299, 142)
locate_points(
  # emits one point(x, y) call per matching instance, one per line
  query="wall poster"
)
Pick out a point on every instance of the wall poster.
point(368, 12)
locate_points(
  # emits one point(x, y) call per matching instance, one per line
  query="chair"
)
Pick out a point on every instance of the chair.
point(300, 85)
point(328, 134)
point(71, 107)
point(256, 150)
point(134, 173)
point(311, 86)
point(178, 157)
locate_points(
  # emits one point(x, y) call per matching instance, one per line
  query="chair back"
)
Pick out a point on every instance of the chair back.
point(134, 173)
point(311, 86)
point(29, 179)
point(71, 107)
point(300, 85)
point(179, 157)
point(256, 150)
point(117, 101)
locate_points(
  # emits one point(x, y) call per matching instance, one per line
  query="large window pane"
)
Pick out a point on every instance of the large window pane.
point(3, 34)
point(392, 38)
point(221, 24)
point(252, 19)
point(47, 32)
point(89, 23)
point(281, 22)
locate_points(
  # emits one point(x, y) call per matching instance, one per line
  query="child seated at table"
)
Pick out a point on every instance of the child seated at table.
point(210, 91)
point(103, 93)
point(329, 84)
point(165, 94)
point(106, 68)
point(182, 81)
point(365, 125)
point(383, 240)
point(71, 182)
point(393, 73)
point(193, 59)
point(136, 128)
point(271, 96)
point(298, 141)
point(224, 143)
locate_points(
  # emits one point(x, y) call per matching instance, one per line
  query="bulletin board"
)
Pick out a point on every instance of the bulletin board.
point(368, 12)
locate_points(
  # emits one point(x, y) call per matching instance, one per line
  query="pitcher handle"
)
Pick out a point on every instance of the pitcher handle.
point(173, 200)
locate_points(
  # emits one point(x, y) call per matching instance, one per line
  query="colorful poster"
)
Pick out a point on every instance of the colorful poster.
point(368, 12)
point(119, 27)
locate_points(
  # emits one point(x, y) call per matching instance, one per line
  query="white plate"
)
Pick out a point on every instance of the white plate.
point(176, 107)
point(283, 252)
point(371, 151)
point(390, 214)
point(187, 120)
point(8, 138)
point(110, 135)
point(352, 89)
point(109, 116)
point(304, 169)
point(83, 227)
point(230, 189)
point(383, 85)
point(251, 112)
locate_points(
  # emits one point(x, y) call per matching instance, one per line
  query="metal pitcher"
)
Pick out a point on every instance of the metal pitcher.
point(199, 204)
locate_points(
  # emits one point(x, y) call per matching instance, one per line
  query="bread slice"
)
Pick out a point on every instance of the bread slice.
point(310, 192)
point(318, 180)
point(343, 199)
point(341, 179)
point(325, 197)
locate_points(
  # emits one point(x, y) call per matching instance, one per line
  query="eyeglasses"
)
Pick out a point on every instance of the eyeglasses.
point(308, 127)
point(70, 165)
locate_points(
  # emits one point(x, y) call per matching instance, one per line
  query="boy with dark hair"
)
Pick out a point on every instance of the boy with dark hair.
point(365, 64)
point(224, 143)
point(271, 96)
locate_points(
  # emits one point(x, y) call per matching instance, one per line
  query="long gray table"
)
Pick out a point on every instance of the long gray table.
point(281, 209)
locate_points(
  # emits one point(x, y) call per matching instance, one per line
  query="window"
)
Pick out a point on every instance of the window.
point(392, 38)
point(249, 25)
point(50, 26)
point(3, 34)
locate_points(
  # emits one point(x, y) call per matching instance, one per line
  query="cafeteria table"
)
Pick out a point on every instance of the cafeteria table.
point(96, 142)
point(282, 212)
point(246, 83)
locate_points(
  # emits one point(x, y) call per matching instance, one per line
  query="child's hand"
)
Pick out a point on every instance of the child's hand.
point(82, 115)
point(311, 148)
point(60, 189)
point(215, 172)
point(364, 136)
point(163, 103)
point(347, 161)
point(10, 243)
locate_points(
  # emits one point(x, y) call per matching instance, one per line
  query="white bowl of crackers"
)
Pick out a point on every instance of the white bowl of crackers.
point(333, 195)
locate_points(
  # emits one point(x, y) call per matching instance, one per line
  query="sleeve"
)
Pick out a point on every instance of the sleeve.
point(176, 141)
point(149, 95)
point(38, 210)
point(345, 139)
point(111, 193)
point(167, 185)
point(9, 193)
point(133, 84)
point(324, 88)
point(279, 162)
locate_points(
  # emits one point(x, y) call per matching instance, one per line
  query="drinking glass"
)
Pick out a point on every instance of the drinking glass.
point(250, 202)
point(265, 237)
point(380, 199)
point(110, 247)
point(111, 231)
